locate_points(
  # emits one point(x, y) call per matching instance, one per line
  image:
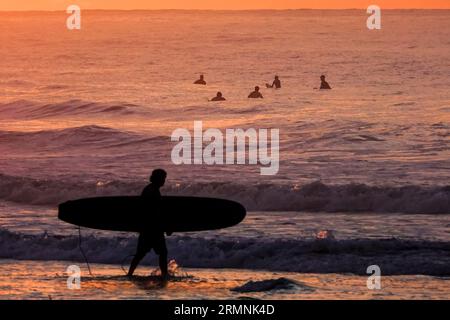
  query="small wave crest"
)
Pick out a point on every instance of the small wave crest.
point(312, 197)
point(25, 109)
point(71, 138)
point(394, 256)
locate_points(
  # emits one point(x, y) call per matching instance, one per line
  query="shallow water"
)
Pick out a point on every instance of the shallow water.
point(277, 241)
point(38, 220)
point(48, 280)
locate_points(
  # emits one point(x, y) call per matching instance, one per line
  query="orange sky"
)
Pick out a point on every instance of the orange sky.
point(218, 4)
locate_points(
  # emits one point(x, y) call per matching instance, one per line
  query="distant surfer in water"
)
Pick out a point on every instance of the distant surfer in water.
point(256, 94)
point(276, 83)
point(218, 97)
point(201, 80)
point(154, 239)
point(323, 84)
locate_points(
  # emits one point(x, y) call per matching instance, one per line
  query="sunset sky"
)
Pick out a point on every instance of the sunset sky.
point(218, 4)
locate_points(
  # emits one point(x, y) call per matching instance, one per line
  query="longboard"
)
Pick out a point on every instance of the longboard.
point(137, 214)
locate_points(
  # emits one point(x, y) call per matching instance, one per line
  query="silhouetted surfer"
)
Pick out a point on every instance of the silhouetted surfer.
point(154, 239)
point(255, 94)
point(218, 97)
point(276, 83)
point(324, 84)
point(201, 80)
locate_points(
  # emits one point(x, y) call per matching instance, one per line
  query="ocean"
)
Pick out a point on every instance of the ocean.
point(364, 168)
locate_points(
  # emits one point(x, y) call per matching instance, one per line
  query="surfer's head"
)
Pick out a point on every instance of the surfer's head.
point(322, 77)
point(256, 88)
point(158, 177)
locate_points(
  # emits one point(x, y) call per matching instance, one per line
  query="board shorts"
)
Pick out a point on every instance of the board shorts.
point(152, 240)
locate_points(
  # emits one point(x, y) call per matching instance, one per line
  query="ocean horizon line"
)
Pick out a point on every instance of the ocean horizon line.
point(226, 10)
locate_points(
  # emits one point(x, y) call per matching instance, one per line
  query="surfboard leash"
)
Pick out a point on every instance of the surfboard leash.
point(82, 251)
point(123, 261)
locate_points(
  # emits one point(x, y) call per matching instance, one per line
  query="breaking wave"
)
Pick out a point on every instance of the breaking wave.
point(312, 197)
point(393, 256)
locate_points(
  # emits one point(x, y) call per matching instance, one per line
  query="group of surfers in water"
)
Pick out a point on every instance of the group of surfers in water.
point(256, 94)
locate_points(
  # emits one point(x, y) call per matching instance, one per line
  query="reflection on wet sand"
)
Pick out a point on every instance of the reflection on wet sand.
point(47, 280)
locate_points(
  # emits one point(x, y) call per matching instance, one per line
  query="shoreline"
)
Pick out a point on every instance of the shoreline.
point(48, 280)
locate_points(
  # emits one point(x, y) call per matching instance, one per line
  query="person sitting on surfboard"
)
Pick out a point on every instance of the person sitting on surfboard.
point(255, 94)
point(276, 83)
point(155, 240)
point(201, 80)
point(218, 97)
point(323, 84)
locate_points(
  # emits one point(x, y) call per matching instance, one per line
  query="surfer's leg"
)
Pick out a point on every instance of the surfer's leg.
point(161, 250)
point(140, 253)
point(135, 262)
point(163, 264)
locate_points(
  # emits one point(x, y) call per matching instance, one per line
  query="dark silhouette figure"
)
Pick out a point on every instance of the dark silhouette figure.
point(218, 97)
point(255, 94)
point(201, 80)
point(324, 85)
point(154, 239)
point(276, 83)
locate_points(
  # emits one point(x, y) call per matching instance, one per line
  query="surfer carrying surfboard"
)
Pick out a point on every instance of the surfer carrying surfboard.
point(154, 239)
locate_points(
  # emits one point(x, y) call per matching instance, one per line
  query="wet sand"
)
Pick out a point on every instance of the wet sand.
point(48, 280)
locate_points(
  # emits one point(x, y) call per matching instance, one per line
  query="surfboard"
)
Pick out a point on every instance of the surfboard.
point(137, 214)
